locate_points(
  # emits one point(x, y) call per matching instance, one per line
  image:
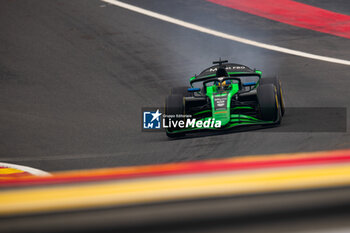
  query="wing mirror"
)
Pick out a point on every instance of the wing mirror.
point(193, 89)
point(249, 84)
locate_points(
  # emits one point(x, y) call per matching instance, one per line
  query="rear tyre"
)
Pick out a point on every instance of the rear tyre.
point(275, 81)
point(183, 91)
point(173, 106)
point(268, 103)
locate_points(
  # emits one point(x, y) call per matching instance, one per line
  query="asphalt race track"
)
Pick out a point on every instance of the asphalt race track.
point(74, 76)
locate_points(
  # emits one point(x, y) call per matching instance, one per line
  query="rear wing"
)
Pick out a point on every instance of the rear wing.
point(231, 74)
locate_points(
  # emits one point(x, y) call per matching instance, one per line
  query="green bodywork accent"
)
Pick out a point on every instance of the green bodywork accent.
point(229, 73)
point(242, 107)
point(202, 112)
point(232, 124)
point(234, 108)
point(222, 115)
point(240, 116)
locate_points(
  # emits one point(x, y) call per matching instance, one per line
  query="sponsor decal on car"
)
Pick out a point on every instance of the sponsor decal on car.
point(228, 68)
point(220, 102)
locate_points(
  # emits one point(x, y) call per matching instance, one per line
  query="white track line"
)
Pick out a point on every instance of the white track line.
point(30, 170)
point(224, 35)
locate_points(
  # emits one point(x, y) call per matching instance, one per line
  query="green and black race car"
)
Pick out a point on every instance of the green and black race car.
point(226, 93)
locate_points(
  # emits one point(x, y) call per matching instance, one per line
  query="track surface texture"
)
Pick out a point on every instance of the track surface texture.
point(74, 76)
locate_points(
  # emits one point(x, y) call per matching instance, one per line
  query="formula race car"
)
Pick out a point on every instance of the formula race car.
point(224, 96)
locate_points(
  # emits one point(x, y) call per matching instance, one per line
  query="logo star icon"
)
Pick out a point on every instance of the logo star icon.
point(156, 115)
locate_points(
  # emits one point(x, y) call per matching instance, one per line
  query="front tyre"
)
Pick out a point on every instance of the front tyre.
point(275, 81)
point(174, 106)
point(268, 103)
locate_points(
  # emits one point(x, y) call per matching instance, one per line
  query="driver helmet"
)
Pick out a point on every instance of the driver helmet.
point(223, 84)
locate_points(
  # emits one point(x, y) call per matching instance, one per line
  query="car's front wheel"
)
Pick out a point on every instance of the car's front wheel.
point(268, 103)
point(275, 81)
point(174, 106)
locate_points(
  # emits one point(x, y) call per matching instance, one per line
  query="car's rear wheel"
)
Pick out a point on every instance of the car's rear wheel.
point(174, 106)
point(275, 81)
point(268, 103)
